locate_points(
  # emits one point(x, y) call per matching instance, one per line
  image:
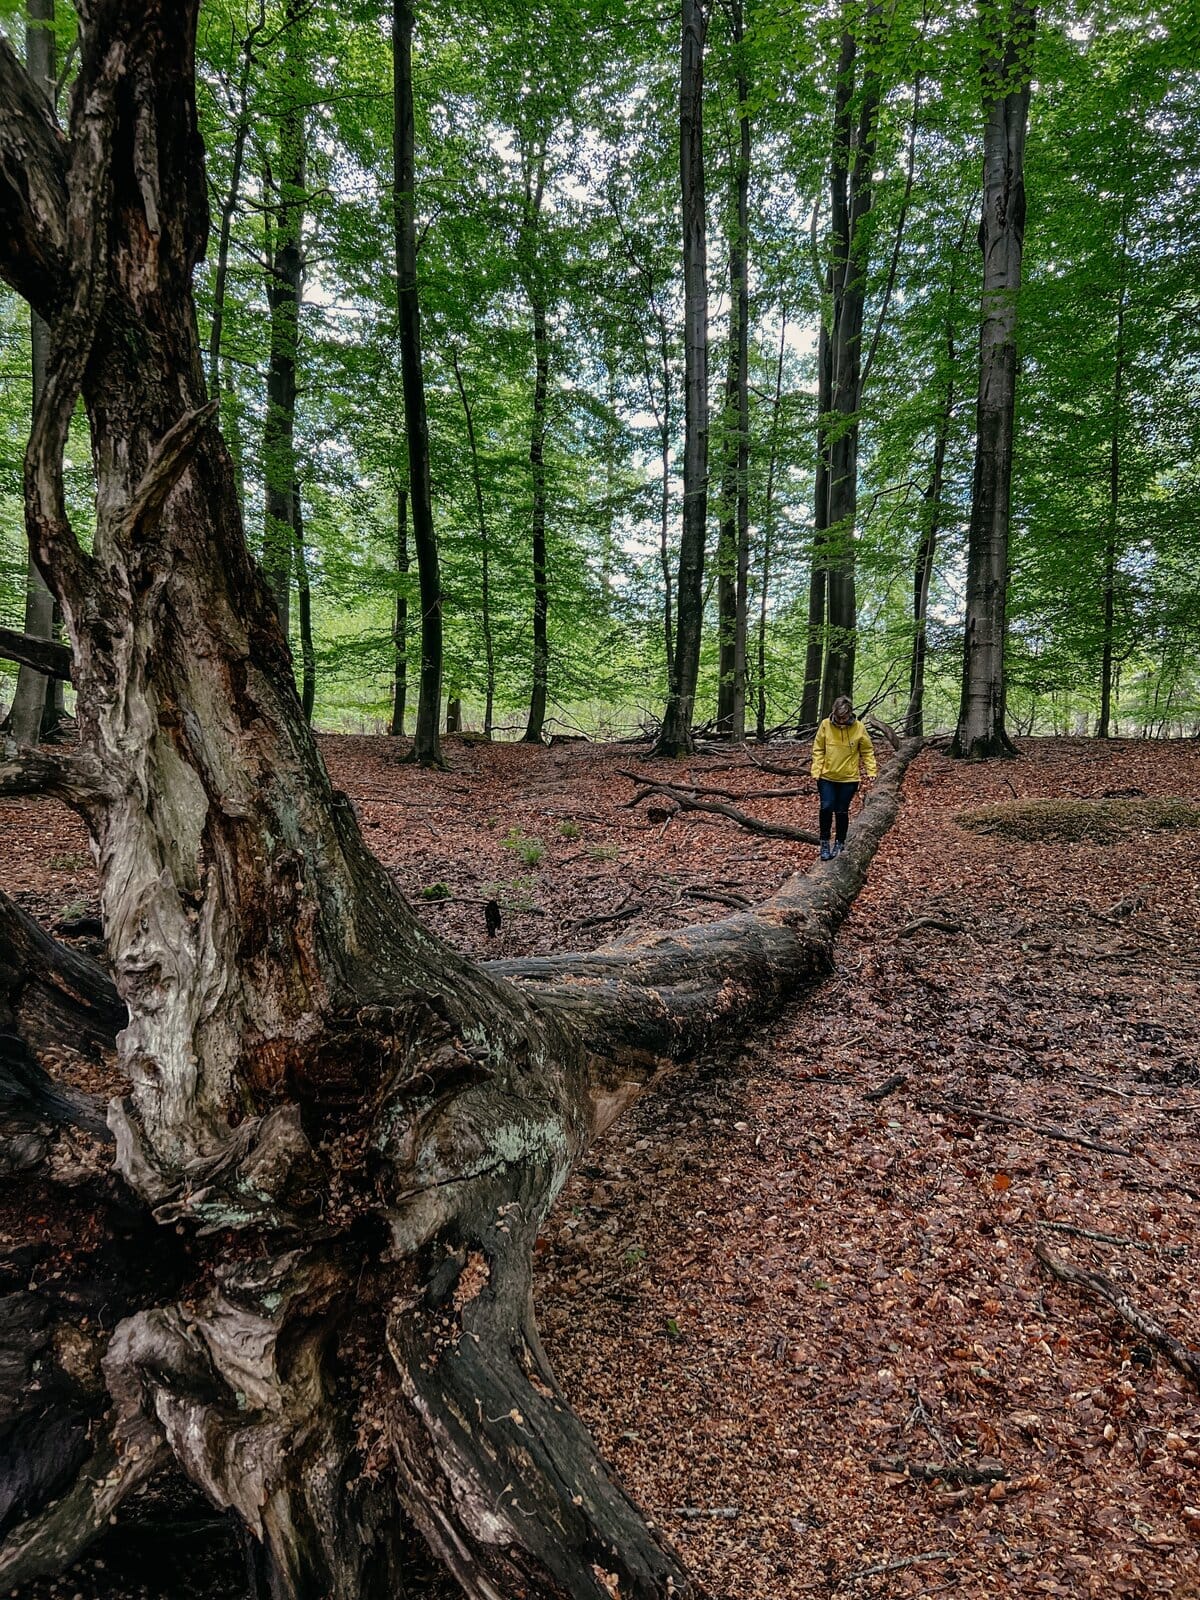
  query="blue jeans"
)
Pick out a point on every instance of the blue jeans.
point(835, 806)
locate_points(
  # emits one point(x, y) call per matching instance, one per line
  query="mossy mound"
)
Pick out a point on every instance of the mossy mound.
point(1034, 821)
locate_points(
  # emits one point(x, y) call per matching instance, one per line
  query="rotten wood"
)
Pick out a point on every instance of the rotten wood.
point(43, 655)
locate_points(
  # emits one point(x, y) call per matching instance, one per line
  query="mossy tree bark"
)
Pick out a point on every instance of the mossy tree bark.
point(344, 1134)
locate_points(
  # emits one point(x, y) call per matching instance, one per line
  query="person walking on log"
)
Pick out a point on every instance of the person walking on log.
point(843, 757)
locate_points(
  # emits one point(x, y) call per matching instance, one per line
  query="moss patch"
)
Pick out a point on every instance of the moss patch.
point(1032, 821)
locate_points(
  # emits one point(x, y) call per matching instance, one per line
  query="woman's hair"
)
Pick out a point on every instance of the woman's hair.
point(842, 706)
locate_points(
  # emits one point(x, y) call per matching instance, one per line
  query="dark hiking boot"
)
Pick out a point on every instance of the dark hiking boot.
point(839, 846)
point(826, 850)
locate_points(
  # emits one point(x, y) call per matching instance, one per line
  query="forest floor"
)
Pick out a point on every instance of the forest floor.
point(803, 1322)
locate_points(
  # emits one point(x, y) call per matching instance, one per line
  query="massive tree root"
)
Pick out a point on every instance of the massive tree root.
point(340, 1135)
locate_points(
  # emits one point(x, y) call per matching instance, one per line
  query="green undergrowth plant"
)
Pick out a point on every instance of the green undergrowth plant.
point(1101, 821)
point(528, 851)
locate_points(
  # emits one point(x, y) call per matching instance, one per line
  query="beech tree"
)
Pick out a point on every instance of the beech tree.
point(1006, 73)
point(340, 1136)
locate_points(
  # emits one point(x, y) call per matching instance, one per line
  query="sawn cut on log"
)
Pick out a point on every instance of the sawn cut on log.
point(341, 1135)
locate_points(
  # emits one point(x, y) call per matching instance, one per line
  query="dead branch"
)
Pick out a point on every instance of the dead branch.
point(888, 1086)
point(43, 655)
point(773, 830)
point(896, 1565)
point(942, 924)
point(1113, 1238)
point(950, 1472)
point(964, 1108)
point(725, 794)
point(724, 897)
point(1178, 1354)
point(623, 910)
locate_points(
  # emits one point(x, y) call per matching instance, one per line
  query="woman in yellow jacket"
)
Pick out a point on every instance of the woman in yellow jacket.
point(842, 757)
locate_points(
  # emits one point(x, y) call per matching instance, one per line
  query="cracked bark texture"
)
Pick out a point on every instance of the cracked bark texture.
point(340, 1136)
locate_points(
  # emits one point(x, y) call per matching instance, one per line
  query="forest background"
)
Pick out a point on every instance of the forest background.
point(550, 274)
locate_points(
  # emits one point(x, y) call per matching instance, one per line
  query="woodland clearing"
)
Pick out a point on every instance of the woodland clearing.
point(810, 1330)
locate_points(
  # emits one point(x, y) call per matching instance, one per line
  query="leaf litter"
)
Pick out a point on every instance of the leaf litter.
point(809, 1328)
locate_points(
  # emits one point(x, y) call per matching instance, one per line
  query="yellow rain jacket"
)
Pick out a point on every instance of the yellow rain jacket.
point(838, 752)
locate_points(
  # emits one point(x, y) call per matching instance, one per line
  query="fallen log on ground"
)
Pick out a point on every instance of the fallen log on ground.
point(685, 799)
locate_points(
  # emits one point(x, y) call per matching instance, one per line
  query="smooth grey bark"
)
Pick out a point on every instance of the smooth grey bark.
point(675, 738)
point(427, 750)
point(485, 599)
point(285, 289)
point(733, 561)
point(36, 706)
point(400, 619)
point(768, 538)
point(931, 512)
point(308, 654)
point(1006, 68)
point(531, 273)
point(1114, 501)
point(851, 198)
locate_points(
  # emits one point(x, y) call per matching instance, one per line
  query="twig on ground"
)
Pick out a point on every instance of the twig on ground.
point(693, 1513)
point(896, 1565)
point(964, 1108)
point(724, 897)
point(888, 1086)
point(942, 924)
point(951, 1472)
point(1113, 1238)
point(622, 910)
point(1177, 1353)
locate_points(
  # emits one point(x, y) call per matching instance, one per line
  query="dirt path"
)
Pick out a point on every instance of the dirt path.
point(764, 1287)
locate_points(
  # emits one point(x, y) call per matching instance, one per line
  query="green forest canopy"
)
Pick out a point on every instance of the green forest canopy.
point(1109, 387)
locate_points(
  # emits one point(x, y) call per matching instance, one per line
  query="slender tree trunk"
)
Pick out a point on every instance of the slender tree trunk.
point(308, 654)
point(1114, 507)
point(675, 738)
point(285, 287)
point(453, 712)
point(851, 195)
point(1006, 68)
point(33, 712)
point(229, 210)
point(769, 534)
point(400, 621)
point(931, 515)
point(426, 743)
point(734, 562)
point(489, 646)
point(541, 581)
point(814, 649)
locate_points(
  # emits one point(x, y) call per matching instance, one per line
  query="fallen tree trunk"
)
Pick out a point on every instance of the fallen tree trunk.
point(345, 1133)
point(43, 655)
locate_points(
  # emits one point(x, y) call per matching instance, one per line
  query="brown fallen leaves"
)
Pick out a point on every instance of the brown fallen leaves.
point(762, 1284)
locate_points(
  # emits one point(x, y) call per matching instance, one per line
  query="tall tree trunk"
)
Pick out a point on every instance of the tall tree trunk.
point(1006, 67)
point(34, 710)
point(343, 1135)
point(675, 738)
point(400, 620)
point(489, 645)
point(769, 534)
point(851, 195)
point(931, 514)
point(541, 580)
point(427, 750)
point(229, 209)
point(285, 287)
point(308, 654)
point(814, 648)
point(1114, 505)
point(734, 559)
